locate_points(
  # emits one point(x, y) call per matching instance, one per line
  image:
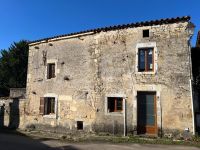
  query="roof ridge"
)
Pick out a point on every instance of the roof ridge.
point(122, 26)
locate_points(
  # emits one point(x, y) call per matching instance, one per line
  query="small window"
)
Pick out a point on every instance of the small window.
point(50, 70)
point(145, 33)
point(115, 104)
point(79, 125)
point(145, 60)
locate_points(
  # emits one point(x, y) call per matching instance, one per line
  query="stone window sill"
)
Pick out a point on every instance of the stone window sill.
point(115, 113)
point(51, 116)
point(51, 79)
point(150, 72)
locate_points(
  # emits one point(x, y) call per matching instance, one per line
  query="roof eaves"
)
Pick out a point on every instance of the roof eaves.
point(116, 27)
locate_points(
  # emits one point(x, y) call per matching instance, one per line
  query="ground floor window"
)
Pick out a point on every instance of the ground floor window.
point(47, 105)
point(115, 104)
point(79, 125)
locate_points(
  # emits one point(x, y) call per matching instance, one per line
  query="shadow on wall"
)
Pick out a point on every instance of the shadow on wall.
point(14, 114)
point(2, 111)
point(10, 114)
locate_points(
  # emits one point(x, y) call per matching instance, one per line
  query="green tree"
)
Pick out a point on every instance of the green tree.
point(13, 67)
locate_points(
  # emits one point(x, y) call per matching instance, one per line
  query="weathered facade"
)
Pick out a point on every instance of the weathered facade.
point(133, 78)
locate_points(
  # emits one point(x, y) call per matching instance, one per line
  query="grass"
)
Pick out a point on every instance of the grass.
point(108, 139)
point(134, 139)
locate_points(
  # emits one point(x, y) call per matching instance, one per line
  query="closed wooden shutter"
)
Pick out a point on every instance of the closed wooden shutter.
point(42, 101)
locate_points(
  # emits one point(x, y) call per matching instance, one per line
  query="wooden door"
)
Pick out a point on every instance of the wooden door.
point(146, 113)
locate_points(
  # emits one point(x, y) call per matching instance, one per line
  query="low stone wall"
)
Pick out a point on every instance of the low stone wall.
point(12, 112)
point(17, 92)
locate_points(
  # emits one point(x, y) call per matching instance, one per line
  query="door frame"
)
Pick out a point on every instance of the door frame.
point(149, 128)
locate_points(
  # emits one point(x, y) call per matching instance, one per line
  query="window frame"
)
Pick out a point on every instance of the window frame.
point(42, 107)
point(117, 113)
point(155, 55)
point(146, 61)
point(47, 101)
point(79, 125)
point(145, 33)
point(51, 73)
point(115, 99)
point(51, 61)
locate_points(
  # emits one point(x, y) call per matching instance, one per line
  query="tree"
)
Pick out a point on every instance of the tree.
point(195, 52)
point(13, 67)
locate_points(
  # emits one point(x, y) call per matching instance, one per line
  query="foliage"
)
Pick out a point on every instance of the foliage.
point(196, 67)
point(13, 67)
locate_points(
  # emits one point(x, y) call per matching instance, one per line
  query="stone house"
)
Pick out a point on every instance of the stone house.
point(132, 78)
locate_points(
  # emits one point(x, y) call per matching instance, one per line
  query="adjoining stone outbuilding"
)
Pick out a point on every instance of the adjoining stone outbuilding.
point(133, 78)
point(12, 109)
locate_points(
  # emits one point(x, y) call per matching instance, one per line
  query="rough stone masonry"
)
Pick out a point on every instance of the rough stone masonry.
point(94, 67)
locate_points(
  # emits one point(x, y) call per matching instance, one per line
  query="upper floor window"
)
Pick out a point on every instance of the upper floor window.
point(146, 33)
point(145, 60)
point(50, 70)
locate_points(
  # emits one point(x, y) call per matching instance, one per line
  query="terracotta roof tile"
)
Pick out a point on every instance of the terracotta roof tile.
point(123, 26)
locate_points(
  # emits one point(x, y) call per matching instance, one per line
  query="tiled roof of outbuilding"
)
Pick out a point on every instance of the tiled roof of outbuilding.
point(123, 26)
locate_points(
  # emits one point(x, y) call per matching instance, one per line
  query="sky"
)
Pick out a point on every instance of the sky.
point(36, 19)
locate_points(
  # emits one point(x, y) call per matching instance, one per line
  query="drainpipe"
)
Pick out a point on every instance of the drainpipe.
point(57, 122)
point(124, 104)
point(190, 30)
point(161, 121)
point(193, 117)
point(191, 87)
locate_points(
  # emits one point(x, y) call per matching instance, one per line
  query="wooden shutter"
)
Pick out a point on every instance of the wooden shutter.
point(52, 105)
point(42, 100)
point(53, 70)
point(48, 72)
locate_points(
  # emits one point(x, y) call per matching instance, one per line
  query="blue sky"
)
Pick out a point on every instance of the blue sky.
point(35, 19)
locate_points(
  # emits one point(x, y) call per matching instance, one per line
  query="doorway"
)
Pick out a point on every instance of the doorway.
point(146, 113)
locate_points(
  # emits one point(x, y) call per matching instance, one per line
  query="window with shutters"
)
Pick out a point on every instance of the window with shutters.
point(47, 105)
point(145, 60)
point(50, 70)
point(115, 104)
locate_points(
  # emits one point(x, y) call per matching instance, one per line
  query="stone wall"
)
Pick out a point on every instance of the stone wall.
point(12, 113)
point(17, 92)
point(92, 67)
